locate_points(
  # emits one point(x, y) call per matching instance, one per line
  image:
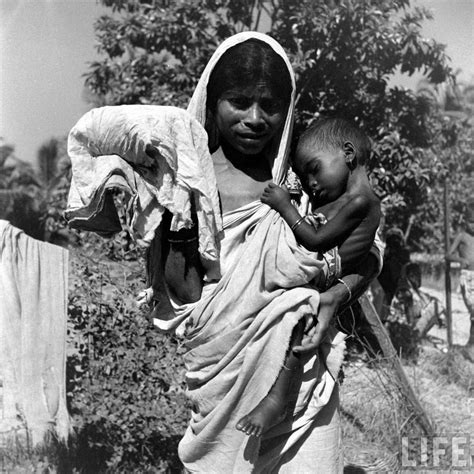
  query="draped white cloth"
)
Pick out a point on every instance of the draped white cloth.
point(159, 156)
point(33, 316)
point(238, 335)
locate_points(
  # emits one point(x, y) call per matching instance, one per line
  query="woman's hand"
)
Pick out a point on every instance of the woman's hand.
point(277, 197)
point(332, 301)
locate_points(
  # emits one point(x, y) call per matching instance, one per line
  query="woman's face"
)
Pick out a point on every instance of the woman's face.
point(249, 117)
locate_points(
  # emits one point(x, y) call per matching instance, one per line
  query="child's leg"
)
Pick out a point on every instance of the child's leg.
point(272, 408)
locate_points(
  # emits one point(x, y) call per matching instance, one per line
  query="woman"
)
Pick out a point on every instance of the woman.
point(237, 308)
point(239, 329)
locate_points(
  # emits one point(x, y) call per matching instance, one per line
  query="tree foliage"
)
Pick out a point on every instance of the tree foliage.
point(451, 160)
point(155, 51)
point(20, 193)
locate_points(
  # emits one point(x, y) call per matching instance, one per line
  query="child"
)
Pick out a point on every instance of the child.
point(462, 251)
point(413, 306)
point(330, 162)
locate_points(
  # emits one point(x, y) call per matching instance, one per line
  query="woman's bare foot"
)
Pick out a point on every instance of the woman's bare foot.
point(269, 412)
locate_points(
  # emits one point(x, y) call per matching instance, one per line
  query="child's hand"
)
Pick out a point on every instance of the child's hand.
point(277, 197)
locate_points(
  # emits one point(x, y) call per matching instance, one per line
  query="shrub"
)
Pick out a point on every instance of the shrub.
point(125, 382)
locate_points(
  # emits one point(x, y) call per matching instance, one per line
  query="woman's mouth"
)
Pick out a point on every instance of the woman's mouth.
point(251, 137)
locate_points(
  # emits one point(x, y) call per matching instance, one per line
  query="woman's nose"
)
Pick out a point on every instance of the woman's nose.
point(254, 117)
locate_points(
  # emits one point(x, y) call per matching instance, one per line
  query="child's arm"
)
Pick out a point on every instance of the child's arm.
point(326, 237)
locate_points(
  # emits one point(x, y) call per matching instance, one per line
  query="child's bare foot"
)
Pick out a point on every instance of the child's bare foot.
point(272, 409)
point(269, 412)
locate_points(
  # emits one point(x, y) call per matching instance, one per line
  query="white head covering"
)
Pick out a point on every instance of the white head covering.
point(197, 105)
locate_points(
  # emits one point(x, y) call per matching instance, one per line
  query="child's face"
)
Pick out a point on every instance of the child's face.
point(323, 172)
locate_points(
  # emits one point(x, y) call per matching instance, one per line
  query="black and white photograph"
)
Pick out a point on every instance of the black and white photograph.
point(236, 236)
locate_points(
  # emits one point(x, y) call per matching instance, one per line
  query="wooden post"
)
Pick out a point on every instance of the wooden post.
point(447, 271)
point(391, 355)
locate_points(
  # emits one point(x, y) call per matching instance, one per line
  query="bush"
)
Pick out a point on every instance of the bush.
point(125, 383)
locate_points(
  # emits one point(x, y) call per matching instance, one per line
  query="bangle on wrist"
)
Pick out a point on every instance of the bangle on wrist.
point(182, 241)
point(183, 235)
point(297, 223)
point(349, 296)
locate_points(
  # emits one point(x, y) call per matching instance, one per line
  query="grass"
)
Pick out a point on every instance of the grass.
point(375, 417)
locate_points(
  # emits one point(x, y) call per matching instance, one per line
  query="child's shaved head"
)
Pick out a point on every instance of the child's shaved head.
point(333, 134)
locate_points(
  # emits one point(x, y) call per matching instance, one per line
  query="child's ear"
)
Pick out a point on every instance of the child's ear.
point(350, 154)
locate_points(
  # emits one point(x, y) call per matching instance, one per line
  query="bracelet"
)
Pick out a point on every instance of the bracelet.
point(182, 241)
point(340, 280)
point(297, 223)
point(183, 236)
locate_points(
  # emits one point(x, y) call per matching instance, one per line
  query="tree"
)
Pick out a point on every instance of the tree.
point(20, 193)
point(343, 52)
point(47, 160)
point(34, 201)
point(450, 156)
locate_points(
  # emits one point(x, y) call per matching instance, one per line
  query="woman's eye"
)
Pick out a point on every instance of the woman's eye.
point(271, 106)
point(239, 102)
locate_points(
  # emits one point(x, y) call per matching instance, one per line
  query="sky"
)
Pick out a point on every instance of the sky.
point(46, 45)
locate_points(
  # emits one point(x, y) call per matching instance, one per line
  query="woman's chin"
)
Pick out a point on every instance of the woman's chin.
point(250, 147)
